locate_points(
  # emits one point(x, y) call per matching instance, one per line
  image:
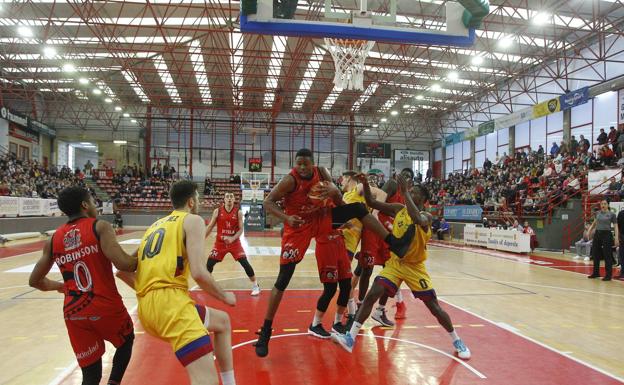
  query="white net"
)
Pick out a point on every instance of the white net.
point(349, 56)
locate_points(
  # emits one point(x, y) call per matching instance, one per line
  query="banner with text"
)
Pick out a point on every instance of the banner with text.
point(505, 240)
point(546, 108)
point(9, 206)
point(50, 208)
point(514, 118)
point(30, 207)
point(366, 164)
point(463, 213)
point(574, 98)
point(400, 155)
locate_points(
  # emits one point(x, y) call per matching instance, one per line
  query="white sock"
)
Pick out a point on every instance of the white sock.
point(254, 284)
point(351, 306)
point(317, 319)
point(381, 308)
point(355, 329)
point(454, 335)
point(228, 378)
point(398, 296)
point(338, 318)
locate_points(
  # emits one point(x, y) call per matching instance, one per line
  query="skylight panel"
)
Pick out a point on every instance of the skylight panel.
point(277, 56)
point(306, 83)
point(197, 58)
point(165, 76)
point(134, 83)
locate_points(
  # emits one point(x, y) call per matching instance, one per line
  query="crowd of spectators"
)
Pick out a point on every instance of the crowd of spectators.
point(30, 179)
point(530, 181)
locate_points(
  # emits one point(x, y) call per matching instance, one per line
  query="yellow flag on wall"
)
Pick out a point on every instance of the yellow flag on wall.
point(546, 108)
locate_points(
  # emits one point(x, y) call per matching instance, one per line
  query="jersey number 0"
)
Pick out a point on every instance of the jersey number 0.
point(153, 244)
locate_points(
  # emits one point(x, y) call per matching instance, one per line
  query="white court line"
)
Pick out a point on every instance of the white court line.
point(469, 367)
point(13, 287)
point(519, 334)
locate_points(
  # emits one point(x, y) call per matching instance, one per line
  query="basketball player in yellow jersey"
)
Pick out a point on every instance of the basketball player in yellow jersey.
point(409, 269)
point(172, 249)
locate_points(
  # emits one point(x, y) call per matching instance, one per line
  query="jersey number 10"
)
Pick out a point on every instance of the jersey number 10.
point(153, 244)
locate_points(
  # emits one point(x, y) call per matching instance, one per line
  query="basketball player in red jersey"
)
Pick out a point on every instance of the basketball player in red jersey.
point(304, 220)
point(229, 222)
point(83, 249)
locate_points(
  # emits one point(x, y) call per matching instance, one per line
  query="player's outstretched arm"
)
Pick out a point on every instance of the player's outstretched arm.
point(414, 212)
point(387, 208)
point(111, 248)
point(38, 278)
point(285, 186)
point(213, 222)
point(194, 231)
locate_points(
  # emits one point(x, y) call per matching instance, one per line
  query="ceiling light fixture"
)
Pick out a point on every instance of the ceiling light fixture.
point(383, 120)
point(506, 42)
point(375, 125)
point(541, 18)
point(117, 108)
point(477, 60)
point(97, 91)
point(133, 120)
point(24, 31)
point(120, 141)
point(108, 100)
point(126, 115)
point(435, 87)
point(83, 81)
point(366, 129)
point(49, 52)
point(394, 112)
point(453, 75)
point(420, 97)
point(69, 67)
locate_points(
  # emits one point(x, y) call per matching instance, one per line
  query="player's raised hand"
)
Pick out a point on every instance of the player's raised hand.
point(229, 298)
point(402, 184)
point(294, 221)
point(361, 177)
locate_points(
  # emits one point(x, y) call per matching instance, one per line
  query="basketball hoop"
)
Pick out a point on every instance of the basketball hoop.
point(349, 56)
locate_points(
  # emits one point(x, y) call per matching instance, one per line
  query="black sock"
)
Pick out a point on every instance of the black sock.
point(387, 238)
point(268, 324)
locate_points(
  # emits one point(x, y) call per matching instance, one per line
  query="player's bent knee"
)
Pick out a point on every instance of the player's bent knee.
point(219, 321)
point(285, 274)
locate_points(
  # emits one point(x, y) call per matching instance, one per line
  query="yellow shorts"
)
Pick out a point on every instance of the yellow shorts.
point(415, 277)
point(171, 315)
point(352, 238)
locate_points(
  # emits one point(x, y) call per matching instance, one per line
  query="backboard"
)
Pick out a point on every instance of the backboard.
point(372, 20)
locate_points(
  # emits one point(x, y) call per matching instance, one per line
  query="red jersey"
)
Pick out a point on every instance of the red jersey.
point(396, 198)
point(89, 283)
point(227, 224)
point(297, 202)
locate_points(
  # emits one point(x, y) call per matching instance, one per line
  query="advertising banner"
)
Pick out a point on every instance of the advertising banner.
point(514, 118)
point(546, 108)
point(50, 208)
point(30, 207)
point(463, 213)
point(486, 128)
point(574, 98)
point(9, 206)
point(107, 207)
point(505, 240)
point(411, 155)
point(382, 165)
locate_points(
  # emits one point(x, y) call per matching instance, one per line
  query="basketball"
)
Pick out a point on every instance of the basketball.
point(315, 195)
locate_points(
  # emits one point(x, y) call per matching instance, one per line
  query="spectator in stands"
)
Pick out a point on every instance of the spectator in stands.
point(444, 228)
point(487, 164)
point(554, 150)
point(583, 144)
point(485, 222)
point(517, 226)
point(540, 151)
point(620, 142)
point(612, 137)
point(602, 137)
point(574, 144)
point(529, 230)
point(583, 245)
point(232, 179)
point(429, 175)
point(606, 156)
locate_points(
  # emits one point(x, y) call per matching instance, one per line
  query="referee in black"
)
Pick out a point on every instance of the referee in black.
point(602, 246)
point(620, 224)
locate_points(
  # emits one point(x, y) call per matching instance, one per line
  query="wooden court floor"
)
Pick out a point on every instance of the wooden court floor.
point(527, 321)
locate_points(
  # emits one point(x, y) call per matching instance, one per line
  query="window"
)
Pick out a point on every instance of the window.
point(538, 134)
point(521, 135)
point(24, 153)
point(581, 114)
point(554, 122)
point(605, 113)
point(437, 154)
point(457, 156)
point(13, 149)
point(479, 151)
point(491, 149)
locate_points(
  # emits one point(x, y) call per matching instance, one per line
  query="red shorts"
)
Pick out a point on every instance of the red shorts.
point(87, 334)
point(332, 259)
point(221, 249)
point(374, 250)
point(295, 241)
